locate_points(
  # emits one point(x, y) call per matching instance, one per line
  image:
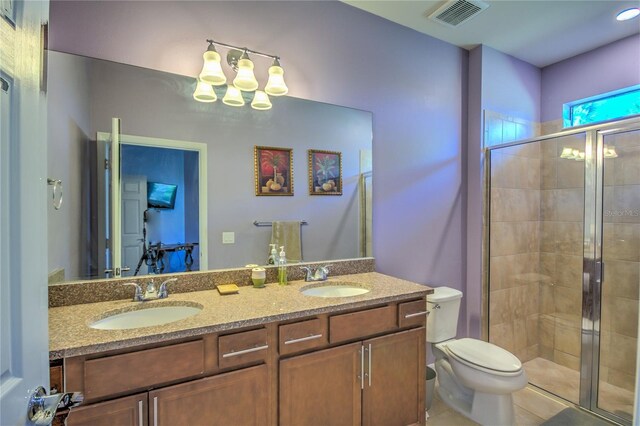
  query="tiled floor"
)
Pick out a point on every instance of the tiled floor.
point(532, 408)
point(565, 382)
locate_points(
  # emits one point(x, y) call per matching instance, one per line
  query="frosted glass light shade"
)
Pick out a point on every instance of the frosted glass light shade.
point(261, 101)
point(245, 80)
point(204, 92)
point(211, 70)
point(276, 85)
point(233, 97)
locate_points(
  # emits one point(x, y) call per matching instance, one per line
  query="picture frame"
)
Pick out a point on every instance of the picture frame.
point(325, 172)
point(273, 171)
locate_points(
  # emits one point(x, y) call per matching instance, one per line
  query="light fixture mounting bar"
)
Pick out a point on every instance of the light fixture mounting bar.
point(243, 49)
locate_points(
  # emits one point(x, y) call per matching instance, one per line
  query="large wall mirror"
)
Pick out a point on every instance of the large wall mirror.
point(180, 174)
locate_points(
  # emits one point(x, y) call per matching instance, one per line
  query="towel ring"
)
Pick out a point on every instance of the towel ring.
point(56, 194)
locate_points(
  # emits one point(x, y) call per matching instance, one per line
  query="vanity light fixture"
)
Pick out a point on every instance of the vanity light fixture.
point(245, 80)
point(625, 15)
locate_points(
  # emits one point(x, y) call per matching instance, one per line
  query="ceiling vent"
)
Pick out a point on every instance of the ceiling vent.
point(455, 12)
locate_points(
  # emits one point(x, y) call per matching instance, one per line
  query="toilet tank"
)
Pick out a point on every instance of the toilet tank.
point(444, 306)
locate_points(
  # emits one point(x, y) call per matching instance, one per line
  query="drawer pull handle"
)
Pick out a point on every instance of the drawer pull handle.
point(245, 351)
point(416, 314)
point(303, 339)
point(140, 418)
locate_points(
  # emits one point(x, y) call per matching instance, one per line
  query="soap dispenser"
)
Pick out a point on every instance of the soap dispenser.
point(273, 257)
point(282, 267)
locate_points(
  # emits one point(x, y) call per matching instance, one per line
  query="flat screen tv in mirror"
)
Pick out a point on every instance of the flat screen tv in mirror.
point(161, 195)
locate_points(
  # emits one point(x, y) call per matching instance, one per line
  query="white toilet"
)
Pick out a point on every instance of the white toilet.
point(475, 378)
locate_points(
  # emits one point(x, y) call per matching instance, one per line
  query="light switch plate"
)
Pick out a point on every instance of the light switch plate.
point(228, 238)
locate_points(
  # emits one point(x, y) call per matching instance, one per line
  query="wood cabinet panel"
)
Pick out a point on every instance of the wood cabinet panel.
point(362, 324)
point(412, 313)
point(55, 379)
point(247, 347)
point(127, 411)
point(394, 390)
point(303, 335)
point(235, 398)
point(140, 370)
point(322, 388)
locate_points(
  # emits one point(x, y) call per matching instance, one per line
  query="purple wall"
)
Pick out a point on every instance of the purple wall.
point(510, 86)
point(602, 70)
point(331, 52)
point(498, 83)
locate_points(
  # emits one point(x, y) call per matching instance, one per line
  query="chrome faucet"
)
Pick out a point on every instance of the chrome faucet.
point(151, 292)
point(321, 273)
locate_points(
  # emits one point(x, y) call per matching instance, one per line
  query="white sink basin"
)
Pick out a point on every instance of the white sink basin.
point(334, 289)
point(146, 317)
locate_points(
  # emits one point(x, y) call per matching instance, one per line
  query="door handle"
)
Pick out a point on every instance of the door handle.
point(41, 408)
point(155, 411)
point(361, 351)
point(370, 365)
point(125, 269)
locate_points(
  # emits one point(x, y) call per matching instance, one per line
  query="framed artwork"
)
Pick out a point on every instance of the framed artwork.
point(325, 172)
point(273, 170)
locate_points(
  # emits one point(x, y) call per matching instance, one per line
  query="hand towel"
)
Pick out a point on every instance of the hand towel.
point(287, 234)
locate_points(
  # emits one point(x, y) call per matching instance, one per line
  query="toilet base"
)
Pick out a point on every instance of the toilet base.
point(481, 407)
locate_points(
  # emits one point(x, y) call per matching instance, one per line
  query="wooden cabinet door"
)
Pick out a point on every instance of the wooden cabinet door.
point(322, 388)
point(395, 382)
point(237, 398)
point(127, 411)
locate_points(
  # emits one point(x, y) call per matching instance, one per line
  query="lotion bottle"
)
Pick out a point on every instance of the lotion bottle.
point(282, 267)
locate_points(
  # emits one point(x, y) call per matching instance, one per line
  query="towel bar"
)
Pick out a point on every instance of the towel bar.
point(257, 223)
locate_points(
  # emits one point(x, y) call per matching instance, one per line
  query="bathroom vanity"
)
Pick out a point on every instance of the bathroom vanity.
point(262, 356)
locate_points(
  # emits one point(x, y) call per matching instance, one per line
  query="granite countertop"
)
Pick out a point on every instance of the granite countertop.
point(70, 335)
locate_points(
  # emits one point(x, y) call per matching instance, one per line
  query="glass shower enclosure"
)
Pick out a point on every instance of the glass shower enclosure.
point(562, 252)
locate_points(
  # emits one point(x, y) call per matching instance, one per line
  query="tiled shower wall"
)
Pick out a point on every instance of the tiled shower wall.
point(536, 252)
point(514, 248)
point(514, 238)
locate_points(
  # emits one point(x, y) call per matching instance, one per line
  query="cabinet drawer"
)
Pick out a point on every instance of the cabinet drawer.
point(139, 370)
point(362, 324)
point(412, 313)
point(302, 335)
point(242, 348)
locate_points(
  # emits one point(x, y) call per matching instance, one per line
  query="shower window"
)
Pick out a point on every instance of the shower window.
point(619, 104)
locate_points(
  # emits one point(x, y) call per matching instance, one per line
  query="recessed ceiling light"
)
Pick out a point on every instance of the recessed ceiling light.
point(627, 14)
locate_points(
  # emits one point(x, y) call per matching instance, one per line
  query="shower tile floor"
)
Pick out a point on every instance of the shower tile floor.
point(565, 382)
point(534, 407)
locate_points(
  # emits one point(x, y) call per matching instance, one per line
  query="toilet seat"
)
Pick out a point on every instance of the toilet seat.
point(483, 356)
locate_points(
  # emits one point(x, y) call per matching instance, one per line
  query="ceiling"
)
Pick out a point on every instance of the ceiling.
point(541, 32)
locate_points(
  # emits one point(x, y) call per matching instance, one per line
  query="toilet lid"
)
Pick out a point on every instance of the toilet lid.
point(485, 355)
